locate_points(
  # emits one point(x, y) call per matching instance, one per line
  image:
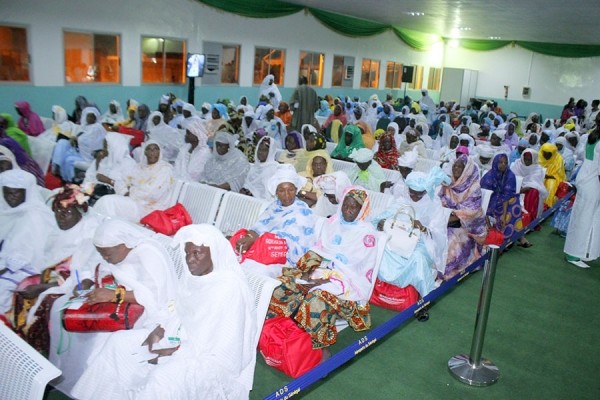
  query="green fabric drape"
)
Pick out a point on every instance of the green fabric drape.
point(349, 26)
point(255, 9)
point(483, 45)
point(562, 50)
point(417, 40)
point(358, 27)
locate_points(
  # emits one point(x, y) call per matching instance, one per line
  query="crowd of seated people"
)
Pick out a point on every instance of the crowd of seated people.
point(437, 161)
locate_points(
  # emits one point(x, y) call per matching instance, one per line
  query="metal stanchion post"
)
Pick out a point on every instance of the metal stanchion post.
point(472, 369)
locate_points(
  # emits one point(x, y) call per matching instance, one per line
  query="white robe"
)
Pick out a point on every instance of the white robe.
point(148, 272)
point(218, 327)
point(583, 234)
point(24, 231)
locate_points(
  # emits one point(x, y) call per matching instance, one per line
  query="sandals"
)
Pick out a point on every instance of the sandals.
point(525, 245)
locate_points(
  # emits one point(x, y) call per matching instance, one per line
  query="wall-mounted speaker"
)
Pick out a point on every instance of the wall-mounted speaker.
point(407, 73)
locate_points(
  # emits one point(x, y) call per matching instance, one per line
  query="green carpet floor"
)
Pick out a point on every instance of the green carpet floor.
point(543, 334)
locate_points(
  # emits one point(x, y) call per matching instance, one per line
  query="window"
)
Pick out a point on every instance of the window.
point(417, 82)
point(92, 57)
point(393, 75)
point(311, 66)
point(222, 63)
point(268, 61)
point(343, 71)
point(163, 60)
point(369, 77)
point(14, 59)
point(231, 64)
point(435, 78)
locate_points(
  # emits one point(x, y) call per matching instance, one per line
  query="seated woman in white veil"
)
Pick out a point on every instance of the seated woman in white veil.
point(420, 268)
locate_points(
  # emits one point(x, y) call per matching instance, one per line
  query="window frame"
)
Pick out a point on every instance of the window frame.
point(119, 39)
point(371, 70)
point(278, 82)
point(435, 75)
point(28, 63)
point(417, 82)
point(321, 69)
point(397, 69)
point(165, 81)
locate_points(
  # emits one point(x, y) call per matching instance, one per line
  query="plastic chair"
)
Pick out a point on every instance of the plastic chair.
point(425, 164)
point(391, 175)
point(330, 146)
point(24, 373)
point(41, 151)
point(238, 211)
point(202, 201)
point(486, 195)
point(341, 165)
point(379, 202)
point(262, 287)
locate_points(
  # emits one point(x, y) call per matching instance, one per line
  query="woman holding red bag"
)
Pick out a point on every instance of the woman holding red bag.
point(288, 217)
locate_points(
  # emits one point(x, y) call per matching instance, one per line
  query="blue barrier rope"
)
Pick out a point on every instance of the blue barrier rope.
point(371, 338)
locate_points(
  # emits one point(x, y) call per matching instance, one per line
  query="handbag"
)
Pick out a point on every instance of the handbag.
point(563, 189)
point(102, 317)
point(401, 229)
point(168, 221)
point(267, 249)
point(393, 297)
point(287, 347)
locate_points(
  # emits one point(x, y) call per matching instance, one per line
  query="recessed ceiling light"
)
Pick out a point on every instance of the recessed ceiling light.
point(464, 28)
point(414, 13)
point(494, 37)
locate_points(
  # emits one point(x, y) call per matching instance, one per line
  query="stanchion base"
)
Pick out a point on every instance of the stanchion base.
point(483, 375)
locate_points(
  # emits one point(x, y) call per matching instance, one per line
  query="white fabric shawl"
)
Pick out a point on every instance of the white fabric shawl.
point(533, 175)
point(151, 185)
point(115, 166)
point(349, 250)
point(260, 172)
point(93, 135)
point(230, 167)
point(190, 164)
point(24, 229)
point(169, 138)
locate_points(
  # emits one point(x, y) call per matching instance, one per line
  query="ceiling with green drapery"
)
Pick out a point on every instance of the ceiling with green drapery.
point(358, 27)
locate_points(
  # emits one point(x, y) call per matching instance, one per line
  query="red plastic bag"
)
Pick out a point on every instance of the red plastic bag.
point(138, 135)
point(494, 237)
point(393, 297)
point(168, 221)
point(287, 347)
point(267, 249)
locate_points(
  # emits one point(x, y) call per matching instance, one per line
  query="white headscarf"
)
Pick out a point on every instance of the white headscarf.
point(409, 159)
point(169, 138)
point(230, 167)
point(110, 117)
point(260, 172)
point(286, 173)
point(25, 228)
point(6, 154)
point(362, 155)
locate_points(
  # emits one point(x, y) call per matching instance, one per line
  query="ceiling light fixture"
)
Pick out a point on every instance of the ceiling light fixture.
point(494, 37)
point(464, 28)
point(414, 13)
